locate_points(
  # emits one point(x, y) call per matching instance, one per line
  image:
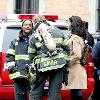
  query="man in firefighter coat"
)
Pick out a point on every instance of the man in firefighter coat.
point(49, 60)
point(17, 60)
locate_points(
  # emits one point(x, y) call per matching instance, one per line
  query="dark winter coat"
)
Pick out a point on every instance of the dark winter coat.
point(17, 57)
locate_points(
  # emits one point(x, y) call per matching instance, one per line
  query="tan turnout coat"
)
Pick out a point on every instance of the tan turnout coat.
point(77, 78)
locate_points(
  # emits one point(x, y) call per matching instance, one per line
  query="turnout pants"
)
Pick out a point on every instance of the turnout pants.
point(21, 86)
point(55, 84)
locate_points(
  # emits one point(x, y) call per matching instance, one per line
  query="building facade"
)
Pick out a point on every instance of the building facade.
point(94, 22)
point(67, 8)
point(3, 8)
point(88, 10)
point(63, 9)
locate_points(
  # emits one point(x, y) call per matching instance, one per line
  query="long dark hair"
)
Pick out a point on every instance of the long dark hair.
point(77, 26)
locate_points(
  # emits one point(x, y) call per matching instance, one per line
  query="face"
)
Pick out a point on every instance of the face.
point(27, 27)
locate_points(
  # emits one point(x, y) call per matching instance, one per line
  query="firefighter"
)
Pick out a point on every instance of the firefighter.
point(17, 60)
point(48, 51)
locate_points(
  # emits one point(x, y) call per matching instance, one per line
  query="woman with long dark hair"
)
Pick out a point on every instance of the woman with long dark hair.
point(77, 78)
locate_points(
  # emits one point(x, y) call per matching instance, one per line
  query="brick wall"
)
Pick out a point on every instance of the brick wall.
point(3, 7)
point(63, 8)
point(67, 8)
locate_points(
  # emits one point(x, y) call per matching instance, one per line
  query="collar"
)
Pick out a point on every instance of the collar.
point(21, 36)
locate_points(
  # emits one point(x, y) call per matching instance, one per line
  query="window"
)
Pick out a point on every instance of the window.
point(26, 6)
point(98, 15)
point(11, 32)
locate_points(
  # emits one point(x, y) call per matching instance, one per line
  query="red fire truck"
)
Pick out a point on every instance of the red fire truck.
point(9, 29)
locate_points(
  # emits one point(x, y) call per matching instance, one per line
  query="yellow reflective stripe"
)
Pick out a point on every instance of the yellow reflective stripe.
point(21, 57)
point(67, 57)
point(52, 58)
point(11, 51)
point(65, 42)
point(30, 50)
point(55, 57)
point(38, 44)
point(61, 41)
point(58, 40)
point(15, 75)
point(10, 63)
point(51, 67)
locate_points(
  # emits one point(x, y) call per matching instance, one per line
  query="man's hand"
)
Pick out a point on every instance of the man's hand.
point(31, 74)
point(31, 77)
